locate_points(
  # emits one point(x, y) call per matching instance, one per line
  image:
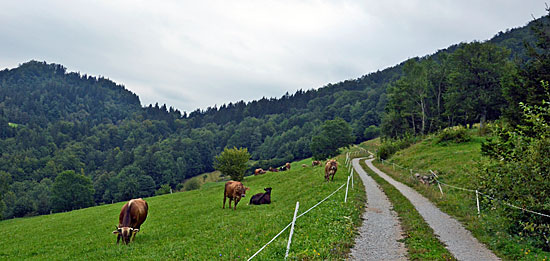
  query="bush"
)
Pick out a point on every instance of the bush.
point(457, 134)
point(389, 147)
point(232, 162)
point(191, 184)
point(164, 189)
point(516, 171)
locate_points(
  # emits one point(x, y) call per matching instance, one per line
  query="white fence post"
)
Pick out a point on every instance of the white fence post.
point(347, 185)
point(352, 178)
point(440, 189)
point(292, 229)
point(477, 201)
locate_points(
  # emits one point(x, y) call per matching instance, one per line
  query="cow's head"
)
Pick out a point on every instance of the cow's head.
point(125, 233)
point(267, 190)
point(243, 191)
point(333, 165)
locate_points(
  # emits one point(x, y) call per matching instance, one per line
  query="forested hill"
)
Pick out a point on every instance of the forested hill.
point(37, 93)
point(59, 129)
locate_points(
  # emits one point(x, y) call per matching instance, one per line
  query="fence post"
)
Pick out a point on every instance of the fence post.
point(292, 229)
point(352, 178)
point(347, 185)
point(477, 201)
point(440, 189)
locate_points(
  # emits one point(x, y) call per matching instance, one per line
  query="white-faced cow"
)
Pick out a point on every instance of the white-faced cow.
point(261, 198)
point(330, 169)
point(234, 190)
point(132, 215)
point(287, 166)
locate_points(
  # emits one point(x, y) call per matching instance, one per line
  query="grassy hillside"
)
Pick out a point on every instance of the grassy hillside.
point(193, 226)
point(456, 164)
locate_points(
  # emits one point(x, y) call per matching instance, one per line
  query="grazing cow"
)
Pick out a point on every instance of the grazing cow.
point(261, 198)
point(259, 171)
point(132, 215)
point(234, 190)
point(273, 169)
point(330, 169)
point(287, 166)
point(315, 163)
point(304, 166)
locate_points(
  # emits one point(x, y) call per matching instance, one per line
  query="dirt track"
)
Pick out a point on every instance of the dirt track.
point(457, 239)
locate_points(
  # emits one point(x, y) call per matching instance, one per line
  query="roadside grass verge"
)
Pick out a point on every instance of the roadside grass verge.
point(419, 238)
point(192, 225)
point(455, 164)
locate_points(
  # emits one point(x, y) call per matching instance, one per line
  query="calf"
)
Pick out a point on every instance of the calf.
point(330, 169)
point(315, 163)
point(261, 198)
point(132, 215)
point(234, 190)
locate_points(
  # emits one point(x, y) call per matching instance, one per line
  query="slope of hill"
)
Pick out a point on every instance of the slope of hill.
point(193, 226)
point(52, 121)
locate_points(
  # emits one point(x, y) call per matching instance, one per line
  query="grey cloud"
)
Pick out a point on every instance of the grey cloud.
point(195, 54)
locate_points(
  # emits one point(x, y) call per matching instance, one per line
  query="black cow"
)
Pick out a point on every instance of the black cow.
point(261, 198)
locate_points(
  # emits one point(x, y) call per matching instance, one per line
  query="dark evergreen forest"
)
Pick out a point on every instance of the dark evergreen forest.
point(71, 134)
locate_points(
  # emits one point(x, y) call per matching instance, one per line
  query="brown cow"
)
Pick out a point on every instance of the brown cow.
point(234, 190)
point(287, 165)
point(330, 169)
point(259, 171)
point(132, 215)
point(315, 163)
point(273, 169)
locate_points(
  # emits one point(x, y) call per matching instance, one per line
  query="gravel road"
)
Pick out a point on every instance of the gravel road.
point(380, 230)
point(458, 240)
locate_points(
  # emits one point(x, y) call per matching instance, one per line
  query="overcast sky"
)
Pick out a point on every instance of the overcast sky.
point(196, 54)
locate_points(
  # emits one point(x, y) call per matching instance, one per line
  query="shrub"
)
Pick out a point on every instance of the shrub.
point(457, 134)
point(389, 147)
point(516, 171)
point(164, 189)
point(191, 184)
point(232, 162)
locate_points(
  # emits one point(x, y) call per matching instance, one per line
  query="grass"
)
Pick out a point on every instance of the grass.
point(419, 237)
point(193, 226)
point(456, 164)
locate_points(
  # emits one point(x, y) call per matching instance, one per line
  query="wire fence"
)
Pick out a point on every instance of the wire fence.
point(436, 178)
point(291, 224)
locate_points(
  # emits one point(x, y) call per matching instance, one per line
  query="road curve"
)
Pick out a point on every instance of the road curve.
point(457, 239)
point(380, 231)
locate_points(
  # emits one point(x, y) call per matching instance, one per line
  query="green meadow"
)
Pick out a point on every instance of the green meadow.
point(192, 225)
